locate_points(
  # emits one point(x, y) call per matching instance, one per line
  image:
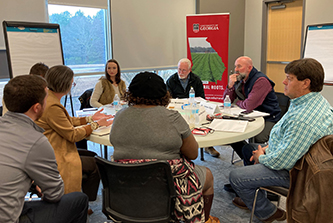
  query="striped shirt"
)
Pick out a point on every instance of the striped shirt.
point(309, 118)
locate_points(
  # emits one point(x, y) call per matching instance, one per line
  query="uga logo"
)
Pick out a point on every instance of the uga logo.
point(195, 28)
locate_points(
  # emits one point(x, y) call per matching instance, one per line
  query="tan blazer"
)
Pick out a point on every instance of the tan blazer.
point(61, 131)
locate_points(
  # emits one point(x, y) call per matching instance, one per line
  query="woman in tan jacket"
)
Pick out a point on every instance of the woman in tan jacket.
point(107, 87)
point(63, 130)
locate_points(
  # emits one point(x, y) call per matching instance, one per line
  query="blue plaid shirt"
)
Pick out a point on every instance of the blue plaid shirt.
point(309, 118)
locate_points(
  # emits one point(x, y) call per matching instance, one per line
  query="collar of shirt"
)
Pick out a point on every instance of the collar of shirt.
point(184, 82)
point(23, 117)
point(303, 98)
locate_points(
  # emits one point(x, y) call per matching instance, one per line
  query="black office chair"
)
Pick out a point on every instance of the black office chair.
point(85, 98)
point(280, 191)
point(142, 192)
point(284, 102)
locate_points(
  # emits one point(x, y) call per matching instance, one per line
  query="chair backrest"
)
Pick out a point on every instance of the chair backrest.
point(85, 98)
point(142, 192)
point(284, 102)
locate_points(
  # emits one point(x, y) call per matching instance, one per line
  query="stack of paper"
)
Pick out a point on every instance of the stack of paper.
point(227, 125)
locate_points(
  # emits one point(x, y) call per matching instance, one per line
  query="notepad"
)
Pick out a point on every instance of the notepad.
point(227, 125)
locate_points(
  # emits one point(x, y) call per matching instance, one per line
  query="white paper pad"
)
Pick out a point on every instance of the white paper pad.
point(227, 125)
point(102, 131)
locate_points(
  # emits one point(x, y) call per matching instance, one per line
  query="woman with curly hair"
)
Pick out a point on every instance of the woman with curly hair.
point(107, 87)
point(147, 130)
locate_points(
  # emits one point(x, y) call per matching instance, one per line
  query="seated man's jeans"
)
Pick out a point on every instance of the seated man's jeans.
point(245, 181)
point(72, 207)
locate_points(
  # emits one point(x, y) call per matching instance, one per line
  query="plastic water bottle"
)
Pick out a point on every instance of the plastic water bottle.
point(191, 96)
point(195, 108)
point(116, 103)
point(227, 105)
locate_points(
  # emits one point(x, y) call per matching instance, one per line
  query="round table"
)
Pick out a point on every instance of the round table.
point(215, 139)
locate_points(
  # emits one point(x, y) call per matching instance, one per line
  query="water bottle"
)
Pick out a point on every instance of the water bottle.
point(191, 96)
point(227, 105)
point(195, 108)
point(116, 103)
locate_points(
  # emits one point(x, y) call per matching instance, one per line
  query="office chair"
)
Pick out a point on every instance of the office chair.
point(281, 191)
point(142, 192)
point(284, 102)
point(85, 98)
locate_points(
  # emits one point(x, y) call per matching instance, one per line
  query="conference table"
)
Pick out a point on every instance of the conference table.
point(216, 138)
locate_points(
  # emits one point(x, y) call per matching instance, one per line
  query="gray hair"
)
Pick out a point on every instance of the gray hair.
point(59, 78)
point(185, 60)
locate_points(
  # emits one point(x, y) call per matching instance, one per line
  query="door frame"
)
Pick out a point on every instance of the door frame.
point(265, 9)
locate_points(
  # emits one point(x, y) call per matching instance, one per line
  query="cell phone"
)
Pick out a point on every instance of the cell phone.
point(246, 112)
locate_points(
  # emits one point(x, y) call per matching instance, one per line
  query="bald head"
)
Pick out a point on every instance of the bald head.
point(243, 66)
point(245, 60)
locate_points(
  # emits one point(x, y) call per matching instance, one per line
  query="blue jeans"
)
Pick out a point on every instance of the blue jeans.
point(245, 181)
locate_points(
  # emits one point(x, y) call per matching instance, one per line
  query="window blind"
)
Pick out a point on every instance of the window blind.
point(149, 34)
point(103, 4)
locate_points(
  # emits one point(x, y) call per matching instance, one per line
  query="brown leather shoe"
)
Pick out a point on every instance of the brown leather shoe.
point(90, 212)
point(237, 201)
point(210, 150)
point(279, 215)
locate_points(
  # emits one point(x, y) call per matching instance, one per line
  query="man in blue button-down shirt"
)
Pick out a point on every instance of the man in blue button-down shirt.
point(309, 118)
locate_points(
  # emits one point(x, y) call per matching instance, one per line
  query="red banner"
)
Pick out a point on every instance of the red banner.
point(207, 48)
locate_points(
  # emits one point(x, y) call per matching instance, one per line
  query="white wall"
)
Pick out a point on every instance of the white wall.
point(316, 12)
point(22, 10)
point(253, 29)
point(236, 8)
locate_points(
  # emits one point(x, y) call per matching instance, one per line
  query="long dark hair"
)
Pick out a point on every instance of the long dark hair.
point(107, 76)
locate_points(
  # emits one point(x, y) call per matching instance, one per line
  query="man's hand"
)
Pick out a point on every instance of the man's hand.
point(39, 191)
point(98, 115)
point(260, 151)
point(232, 80)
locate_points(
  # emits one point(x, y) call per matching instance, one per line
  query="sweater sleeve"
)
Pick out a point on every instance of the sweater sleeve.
point(98, 90)
point(256, 97)
point(62, 124)
point(199, 91)
point(41, 166)
point(231, 93)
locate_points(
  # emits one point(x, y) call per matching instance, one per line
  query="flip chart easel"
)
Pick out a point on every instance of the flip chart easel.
point(318, 44)
point(28, 43)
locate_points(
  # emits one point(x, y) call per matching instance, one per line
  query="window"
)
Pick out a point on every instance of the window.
point(84, 36)
point(85, 41)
